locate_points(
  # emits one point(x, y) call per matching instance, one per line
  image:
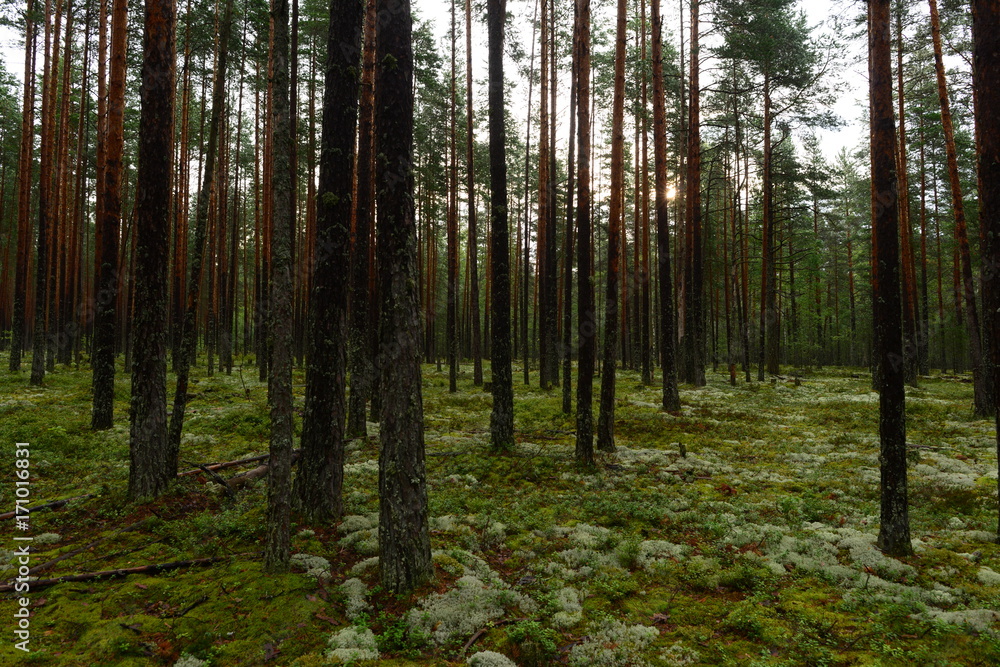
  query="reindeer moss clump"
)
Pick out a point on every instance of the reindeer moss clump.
point(614, 644)
point(490, 659)
point(353, 644)
point(457, 613)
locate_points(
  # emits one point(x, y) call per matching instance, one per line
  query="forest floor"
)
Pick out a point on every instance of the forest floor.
point(738, 532)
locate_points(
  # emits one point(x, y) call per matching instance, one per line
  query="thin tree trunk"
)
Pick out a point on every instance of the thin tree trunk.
point(668, 336)
point(477, 354)
point(694, 328)
point(567, 352)
point(606, 417)
point(981, 391)
point(21, 275)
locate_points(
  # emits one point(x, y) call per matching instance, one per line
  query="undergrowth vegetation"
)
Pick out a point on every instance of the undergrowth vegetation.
point(740, 531)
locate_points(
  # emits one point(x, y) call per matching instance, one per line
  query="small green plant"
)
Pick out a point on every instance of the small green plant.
point(532, 644)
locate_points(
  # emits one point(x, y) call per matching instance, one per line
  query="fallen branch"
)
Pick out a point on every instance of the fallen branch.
point(223, 466)
point(218, 479)
point(125, 571)
point(55, 504)
point(244, 478)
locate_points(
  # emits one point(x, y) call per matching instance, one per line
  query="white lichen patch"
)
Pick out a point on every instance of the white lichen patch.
point(567, 601)
point(614, 644)
point(490, 659)
point(980, 620)
point(353, 644)
point(355, 593)
point(988, 577)
point(360, 533)
point(653, 552)
point(316, 567)
point(460, 611)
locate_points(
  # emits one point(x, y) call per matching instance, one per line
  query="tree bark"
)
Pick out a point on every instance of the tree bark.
point(502, 417)
point(694, 327)
point(894, 530)
point(667, 340)
point(277, 547)
point(986, 79)
point(606, 417)
point(152, 466)
point(404, 543)
point(21, 277)
point(470, 182)
point(362, 336)
point(586, 315)
point(321, 467)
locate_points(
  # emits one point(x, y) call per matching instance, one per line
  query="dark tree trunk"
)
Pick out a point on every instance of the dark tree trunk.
point(277, 548)
point(986, 79)
point(606, 417)
point(102, 358)
point(694, 325)
point(361, 346)
point(586, 315)
point(668, 337)
point(152, 467)
point(404, 542)
point(894, 531)
point(452, 324)
point(321, 465)
point(470, 173)
point(567, 340)
point(502, 418)
point(21, 278)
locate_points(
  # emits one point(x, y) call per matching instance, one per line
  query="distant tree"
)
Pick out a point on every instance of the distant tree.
point(981, 391)
point(894, 530)
point(404, 542)
point(151, 467)
point(470, 175)
point(502, 418)
point(772, 38)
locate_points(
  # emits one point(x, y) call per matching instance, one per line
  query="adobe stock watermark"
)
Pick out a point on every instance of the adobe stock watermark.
point(22, 494)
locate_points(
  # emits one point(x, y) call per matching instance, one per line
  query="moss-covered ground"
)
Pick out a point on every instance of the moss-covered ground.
point(738, 532)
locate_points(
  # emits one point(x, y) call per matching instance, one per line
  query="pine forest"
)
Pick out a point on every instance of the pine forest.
point(624, 333)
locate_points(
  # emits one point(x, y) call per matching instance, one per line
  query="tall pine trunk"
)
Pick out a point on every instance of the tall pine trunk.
point(361, 346)
point(277, 547)
point(986, 79)
point(321, 466)
point(981, 393)
point(586, 315)
point(502, 418)
point(616, 219)
point(667, 339)
point(894, 530)
point(404, 542)
point(152, 467)
point(470, 174)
